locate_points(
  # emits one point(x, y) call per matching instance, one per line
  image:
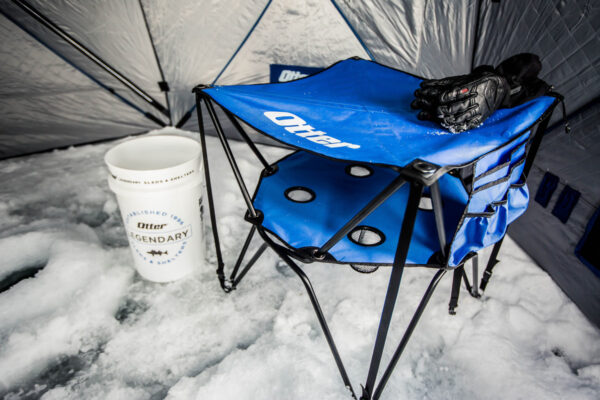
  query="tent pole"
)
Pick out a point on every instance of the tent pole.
point(35, 14)
point(164, 87)
point(87, 75)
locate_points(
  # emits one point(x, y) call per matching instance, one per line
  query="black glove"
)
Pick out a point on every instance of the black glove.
point(465, 101)
point(521, 72)
point(461, 102)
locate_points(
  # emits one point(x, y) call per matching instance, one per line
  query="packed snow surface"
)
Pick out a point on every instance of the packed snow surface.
point(84, 325)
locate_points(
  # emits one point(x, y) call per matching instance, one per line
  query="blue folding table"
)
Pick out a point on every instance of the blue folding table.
point(371, 185)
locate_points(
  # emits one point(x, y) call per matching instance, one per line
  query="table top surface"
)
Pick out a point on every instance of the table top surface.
point(358, 110)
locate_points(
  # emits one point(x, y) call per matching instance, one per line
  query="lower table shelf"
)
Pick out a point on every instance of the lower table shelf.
point(310, 198)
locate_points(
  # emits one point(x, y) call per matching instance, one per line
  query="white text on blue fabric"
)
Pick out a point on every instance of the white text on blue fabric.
point(296, 125)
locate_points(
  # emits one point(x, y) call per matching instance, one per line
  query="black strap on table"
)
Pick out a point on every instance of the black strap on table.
point(493, 260)
point(406, 231)
point(456, 282)
point(466, 280)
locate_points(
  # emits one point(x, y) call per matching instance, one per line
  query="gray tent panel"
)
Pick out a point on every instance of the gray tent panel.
point(115, 30)
point(76, 58)
point(575, 158)
point(550, 242)
point(565, 34)
point(304, 33)
point(45, 103)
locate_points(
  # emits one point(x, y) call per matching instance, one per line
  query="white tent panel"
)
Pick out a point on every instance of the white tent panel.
point(309, 33)
point(76, 58)
point(431, 39)
point(194, 40)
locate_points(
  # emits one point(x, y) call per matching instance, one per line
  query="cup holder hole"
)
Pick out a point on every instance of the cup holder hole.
point(425, 204)
point(300, 194)
point(366, 236)
point(364, 269)
point(359, 171)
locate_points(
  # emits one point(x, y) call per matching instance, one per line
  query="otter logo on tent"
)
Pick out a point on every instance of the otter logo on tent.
point(286, 73)
point(296, 125)
point(289, 75)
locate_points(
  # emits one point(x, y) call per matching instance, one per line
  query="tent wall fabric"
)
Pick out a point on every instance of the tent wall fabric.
point(563, 33)
point(46, 102)
point(77, 72)
point(429, 39)
point(550, 241)
point(35, 20)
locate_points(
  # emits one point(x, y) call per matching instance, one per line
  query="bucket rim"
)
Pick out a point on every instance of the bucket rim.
point(109, 157)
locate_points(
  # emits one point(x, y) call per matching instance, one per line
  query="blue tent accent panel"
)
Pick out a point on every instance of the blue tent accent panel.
point(358, 110)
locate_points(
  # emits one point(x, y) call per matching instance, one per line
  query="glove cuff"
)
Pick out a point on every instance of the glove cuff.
point(521, 74)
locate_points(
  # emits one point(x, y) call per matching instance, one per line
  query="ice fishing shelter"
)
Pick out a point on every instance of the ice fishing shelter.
point(78, 72)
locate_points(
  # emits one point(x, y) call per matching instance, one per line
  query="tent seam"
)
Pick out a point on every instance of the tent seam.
point(362, 43)
point(235, 53)
point(160, 70)
point(188, 114)
point(91, 55)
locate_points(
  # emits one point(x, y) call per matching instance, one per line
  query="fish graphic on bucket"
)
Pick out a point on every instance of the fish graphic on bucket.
point(158, 183)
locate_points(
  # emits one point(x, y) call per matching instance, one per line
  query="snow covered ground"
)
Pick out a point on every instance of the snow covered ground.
point(86, 326)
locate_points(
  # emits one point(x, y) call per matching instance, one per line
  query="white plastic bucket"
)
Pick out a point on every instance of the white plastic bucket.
point(158, 183)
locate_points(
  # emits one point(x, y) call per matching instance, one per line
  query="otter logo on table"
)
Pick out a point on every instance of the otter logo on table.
point(296, 125)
